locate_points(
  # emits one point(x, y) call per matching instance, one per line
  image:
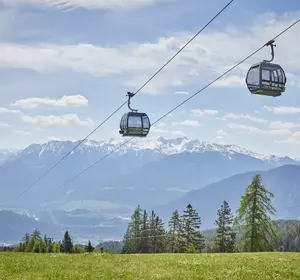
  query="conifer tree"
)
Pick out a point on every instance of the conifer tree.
point(127, 240)
point(30, 245)
point(67, 244)
point(159, 237)
point(225, 236)
point(174, 232)
point(259, 232)
point(191, 223)
point(89, 248)
point(145, 233)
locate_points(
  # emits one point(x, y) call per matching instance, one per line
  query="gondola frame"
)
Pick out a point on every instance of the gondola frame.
point(262, 89)
point(125, 128)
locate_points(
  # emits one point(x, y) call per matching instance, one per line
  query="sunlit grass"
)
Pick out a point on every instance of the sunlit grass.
point(24, 266)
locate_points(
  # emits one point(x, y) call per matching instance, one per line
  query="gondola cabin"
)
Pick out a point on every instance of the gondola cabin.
point(266, 78)
point(135, 124)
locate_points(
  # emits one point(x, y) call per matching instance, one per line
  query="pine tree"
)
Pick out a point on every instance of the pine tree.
point(127, 240)
point(36, 234)
point(89, 248)
point(259, 232)
point(159, 236)
point(67, 244)
point(136, 229)
point(174, 232)
point(132, 238)
point(191, 223)
point(145, 233)
point(30, 245)
point(225, 236)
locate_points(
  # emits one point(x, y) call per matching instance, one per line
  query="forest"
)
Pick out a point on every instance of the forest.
point(250, 230)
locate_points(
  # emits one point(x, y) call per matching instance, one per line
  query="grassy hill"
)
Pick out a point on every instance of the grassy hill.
point(256, 266)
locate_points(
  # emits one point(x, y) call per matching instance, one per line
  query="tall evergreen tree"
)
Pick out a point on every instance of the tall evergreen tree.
point(127, 240)
point(174, 232)
point(191, 223)
point(259, 232)
point(67, 244)
point(89, 248)
point(145, 233)
point(225, 236)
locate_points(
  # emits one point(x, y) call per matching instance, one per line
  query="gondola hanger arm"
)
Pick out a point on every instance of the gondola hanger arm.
point(130, 95)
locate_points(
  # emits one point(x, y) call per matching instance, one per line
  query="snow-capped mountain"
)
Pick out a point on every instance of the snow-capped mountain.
point(159, 146)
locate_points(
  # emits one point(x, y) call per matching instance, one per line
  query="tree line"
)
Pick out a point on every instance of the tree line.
point(250, 230)
point(35, 243)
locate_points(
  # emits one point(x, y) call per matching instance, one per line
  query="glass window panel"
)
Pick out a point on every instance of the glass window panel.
point(146, 122)
point(253, 76)
point(134, 121)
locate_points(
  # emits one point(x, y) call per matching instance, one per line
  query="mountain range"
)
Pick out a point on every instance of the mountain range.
point(156, 173)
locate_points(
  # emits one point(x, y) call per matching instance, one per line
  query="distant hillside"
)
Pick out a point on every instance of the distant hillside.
point(283, 181)
point(14, 226)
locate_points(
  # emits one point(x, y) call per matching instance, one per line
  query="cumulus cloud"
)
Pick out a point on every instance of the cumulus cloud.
point(255, 130)
point(22, 132)
point(242, 116)
point(283, 109)
point(65, 101)
point(199, 112)
point(209, 55)
point(178, 133)
point(4, 125)
point(5, 111)
point(187, 123)
point(230, 81)
point(284, 125)
point(63, 120)
point(180, 93)
point(222, 133)
point(86, 4)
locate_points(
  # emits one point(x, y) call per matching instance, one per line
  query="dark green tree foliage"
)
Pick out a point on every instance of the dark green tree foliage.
point(145, 233)
point(259, 232)
point(190, 232)
point(133, 238)
point(127, 241)
point(225, 236)
point(89, 248)
point(175, 240)
point(67, 244)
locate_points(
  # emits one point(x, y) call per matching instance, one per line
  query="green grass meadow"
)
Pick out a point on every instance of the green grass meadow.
point(25, 266)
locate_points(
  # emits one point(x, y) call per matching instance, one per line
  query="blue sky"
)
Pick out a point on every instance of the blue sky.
point(64, 69)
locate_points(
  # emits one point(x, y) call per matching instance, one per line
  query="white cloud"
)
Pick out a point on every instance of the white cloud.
point(86, 4)
point(244, 127)
point(63, 120)
point(178, 132)
point(181, 93)
point(187, 123)
point(65, 101)
point(247, 117)
point(283, 109)
point(255, 130)
point(4, 125)
point(199, 112)
point(22, 132)
point(289, 140)
point(222, 133)
point(283, 125)
point(230, 81)
point(5, 111)
point(209, 55)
